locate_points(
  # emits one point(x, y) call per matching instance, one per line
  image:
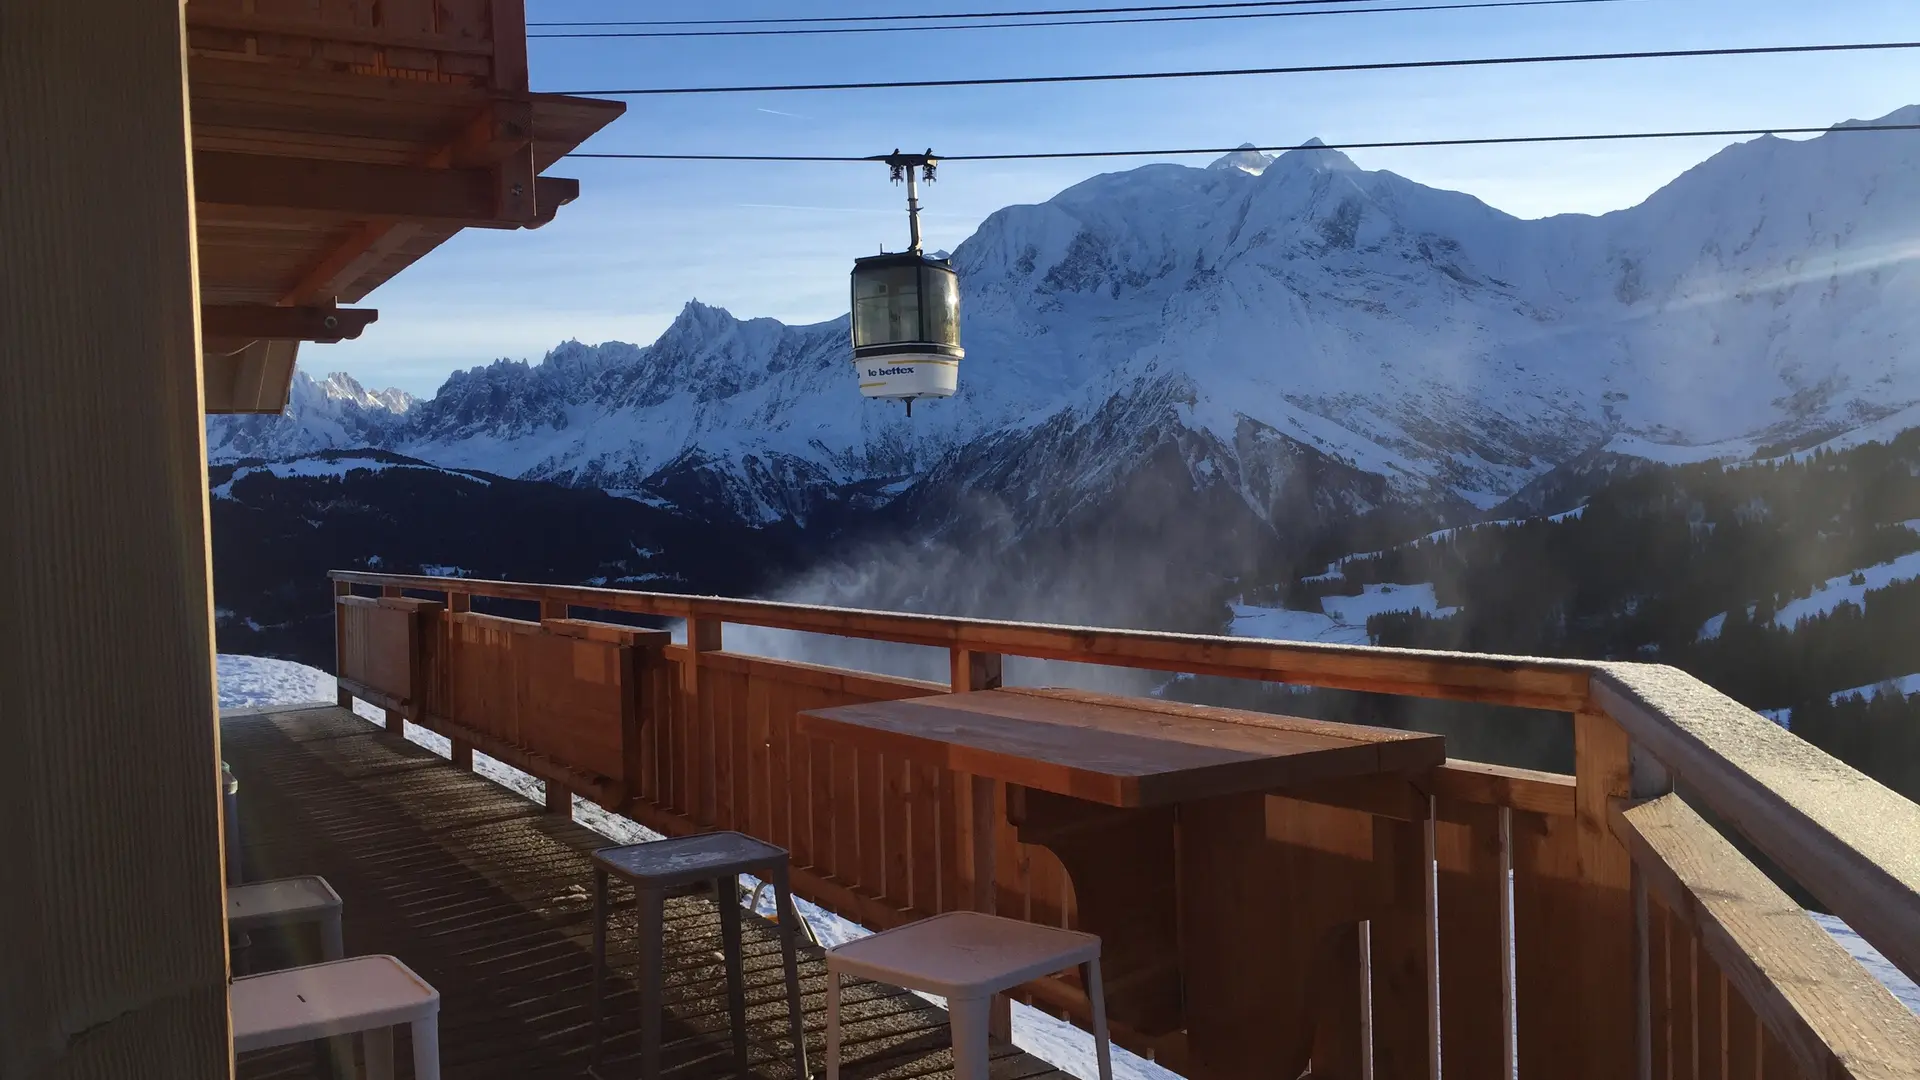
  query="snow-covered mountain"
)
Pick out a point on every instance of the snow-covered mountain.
point(1280, 329)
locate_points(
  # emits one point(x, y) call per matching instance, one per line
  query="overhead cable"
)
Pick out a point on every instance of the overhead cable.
point(921, 28)
point(1302, 69)
point(938, 16)
point(1504, 140)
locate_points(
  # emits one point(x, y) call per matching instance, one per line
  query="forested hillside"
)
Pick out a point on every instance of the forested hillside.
point(1790, 582)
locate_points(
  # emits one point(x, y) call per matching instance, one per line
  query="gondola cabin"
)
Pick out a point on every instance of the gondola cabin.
point(906, 326)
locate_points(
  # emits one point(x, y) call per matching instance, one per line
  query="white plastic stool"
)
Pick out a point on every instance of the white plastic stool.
point(367, 994)
point(289, 900)
point(967, 957)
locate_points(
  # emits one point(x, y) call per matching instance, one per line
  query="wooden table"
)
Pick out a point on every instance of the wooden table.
point(1223, 856)
point(1123, 752)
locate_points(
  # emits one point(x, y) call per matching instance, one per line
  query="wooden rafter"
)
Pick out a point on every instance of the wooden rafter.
point(461, 197)
point(256, 321)
point(346, 263)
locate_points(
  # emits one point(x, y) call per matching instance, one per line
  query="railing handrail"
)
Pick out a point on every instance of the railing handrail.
point(1532, 682)
point(1831, 1015)
point(1852, 842)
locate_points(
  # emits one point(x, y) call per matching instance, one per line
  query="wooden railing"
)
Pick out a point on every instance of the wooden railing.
point(1476, 920)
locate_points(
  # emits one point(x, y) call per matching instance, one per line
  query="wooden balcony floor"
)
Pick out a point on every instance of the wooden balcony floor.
point(490, 899)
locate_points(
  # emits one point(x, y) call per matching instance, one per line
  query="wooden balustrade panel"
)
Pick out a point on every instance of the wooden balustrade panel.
point(1703, 1028)
point(564, 698)
point(1553, 908)
point(879, 839)
point(482, 686)
point(377, 645)
point(1659, 987)
point(1268, 887)
point(1742, 1038)
point(1472, 888)
point(1573, 923)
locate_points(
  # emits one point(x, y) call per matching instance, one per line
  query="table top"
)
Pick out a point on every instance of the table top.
point(687, 859)
point(1120, 751)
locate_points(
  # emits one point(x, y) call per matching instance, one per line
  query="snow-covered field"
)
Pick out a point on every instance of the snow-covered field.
point(1341, 620)
point(250, 681)
point(334, 467)
point(1904, 686)
point(1830, 594)
point(1841, 590)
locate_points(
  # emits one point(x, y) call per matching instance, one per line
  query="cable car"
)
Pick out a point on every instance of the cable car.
point(906, 311)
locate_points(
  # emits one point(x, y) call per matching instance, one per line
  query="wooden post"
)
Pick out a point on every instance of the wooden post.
point(980, 826)
point(457, 604)
point(111, 911)
point(559, 799)
point(1602, 959)
point(703, 635)
point(342, 697)
point(1648, 779)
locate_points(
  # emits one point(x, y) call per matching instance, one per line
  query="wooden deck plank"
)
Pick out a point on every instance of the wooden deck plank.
point(490, 900)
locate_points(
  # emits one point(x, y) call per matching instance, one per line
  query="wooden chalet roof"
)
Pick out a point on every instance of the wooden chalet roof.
point(335, 142)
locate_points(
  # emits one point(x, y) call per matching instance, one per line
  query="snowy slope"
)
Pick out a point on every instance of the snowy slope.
point(1341, 620)
point(1904, 686)
point(1413, 334)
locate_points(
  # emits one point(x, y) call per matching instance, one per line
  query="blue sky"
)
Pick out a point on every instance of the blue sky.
point(777, 240)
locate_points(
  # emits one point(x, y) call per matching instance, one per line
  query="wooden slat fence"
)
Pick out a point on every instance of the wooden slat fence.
point(1481, 922)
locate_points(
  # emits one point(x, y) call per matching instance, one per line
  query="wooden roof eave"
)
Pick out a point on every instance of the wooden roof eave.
point(317, 182)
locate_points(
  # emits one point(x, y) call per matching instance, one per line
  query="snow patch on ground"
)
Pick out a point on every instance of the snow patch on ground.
point(1341, 620)
point(1903, 686)
point(1878, 966)
point(251, 681)
point(1840, 590)
point(1678, 453)
point(257, 681)
point(333, 468)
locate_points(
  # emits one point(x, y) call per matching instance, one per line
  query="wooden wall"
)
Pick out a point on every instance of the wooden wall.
point(111, 914)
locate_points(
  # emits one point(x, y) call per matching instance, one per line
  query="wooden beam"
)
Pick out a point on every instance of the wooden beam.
point(1830, 1014)
point(111, 904)
point(338, 270)
point(1846, 838)
point(201, 17)
point(255, 321)
point(1546, 793)
point(452, 196)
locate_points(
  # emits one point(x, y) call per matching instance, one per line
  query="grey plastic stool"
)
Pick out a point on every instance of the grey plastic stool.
point(367, 995)
point(288, 901)
point(967, 957)
point(662, 866)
